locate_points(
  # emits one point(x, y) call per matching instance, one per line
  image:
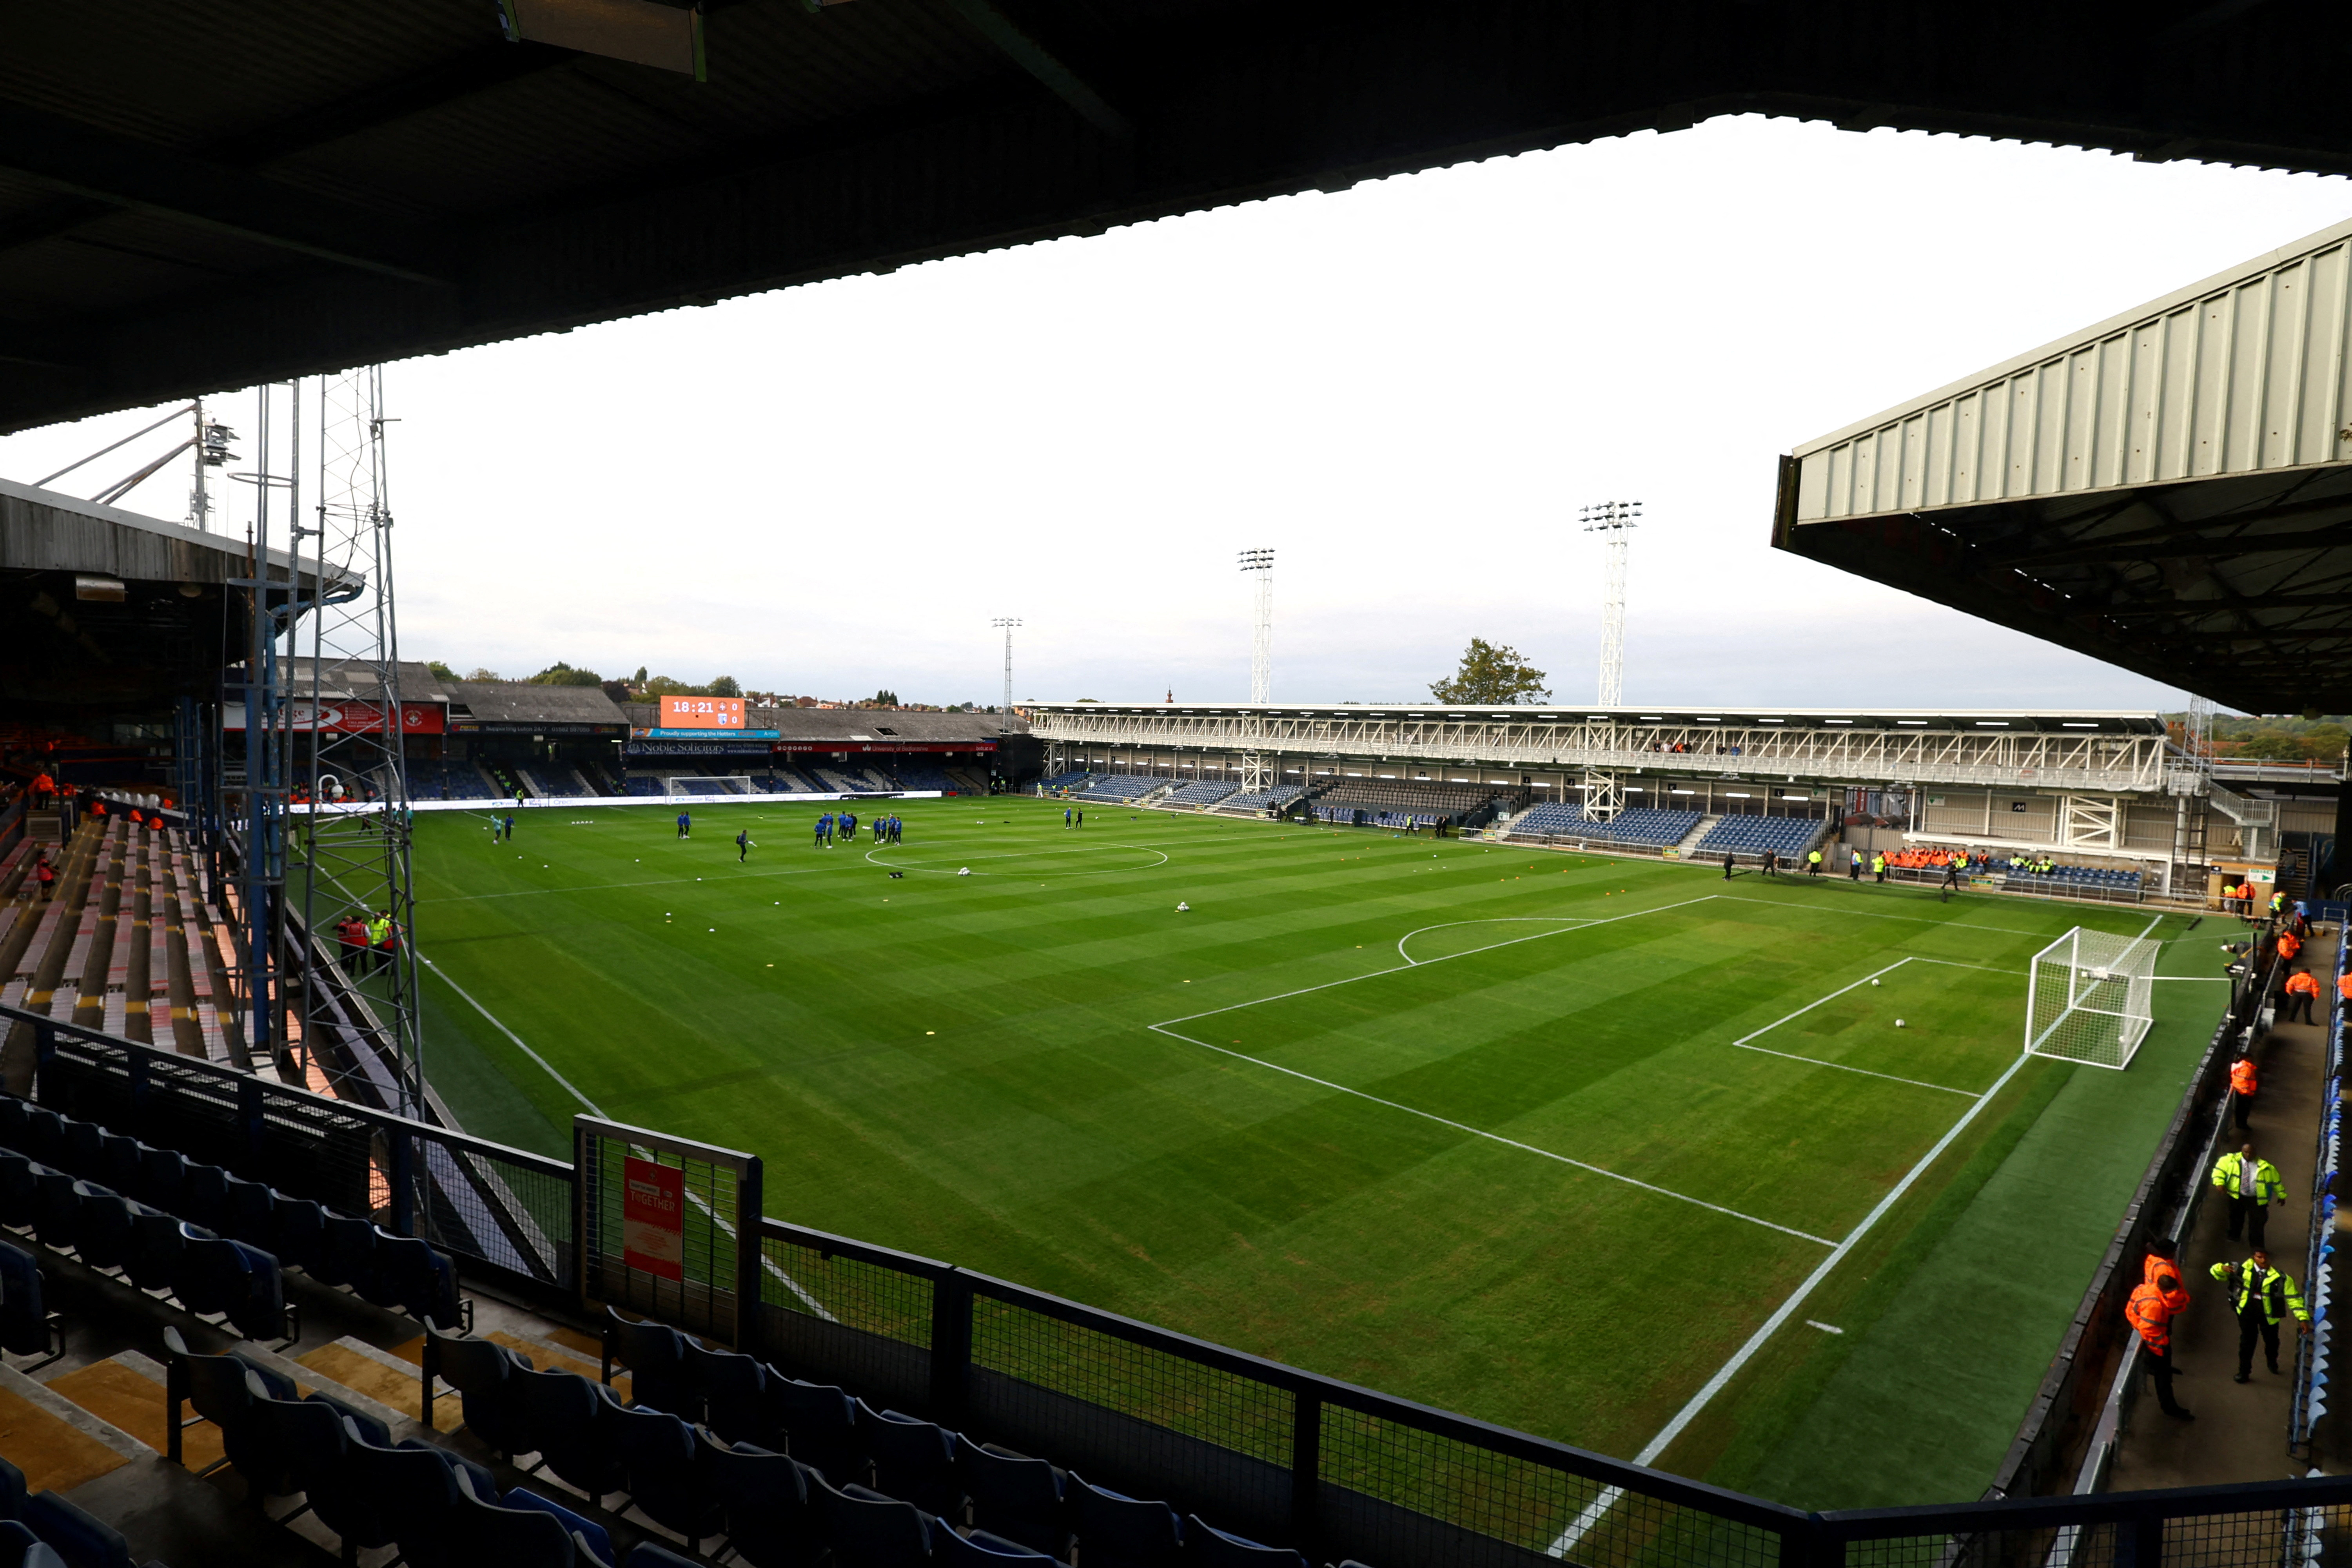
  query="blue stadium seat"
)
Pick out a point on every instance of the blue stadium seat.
point(567, 1422)
point(484, 1534)
point(729, 1387)
point(820, 1422)
point(156, 1245)
point(418, 1484)
point(1219, 1549)
point(80, 1153)
point(982, 1549)
point(20, 1548)
point(78, 1537)
point(161, 1171)
point(102, 1234)
point(772, 1520)
point(27, 1327)
point(1013, 1495)
point(869, 1530)
point(913, 1459)
point(655, 1355)
point(349, 1257)
point(409, 1277)
point(584, 1532)
point(250, 1214)
point(117, 1164)
point(1116, 1530)
point(20, 1177)
point(483, 1374)
point(56, 1205)
point(202, 1198)
point(301, 1238)
point(657, 1451)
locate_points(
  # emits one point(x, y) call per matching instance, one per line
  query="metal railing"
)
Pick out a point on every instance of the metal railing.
point(1252, 1445)
point(2311, 1357)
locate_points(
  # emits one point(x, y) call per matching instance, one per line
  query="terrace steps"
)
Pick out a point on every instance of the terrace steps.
point(1690, 840)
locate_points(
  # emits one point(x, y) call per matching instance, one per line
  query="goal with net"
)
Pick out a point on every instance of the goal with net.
point(690, 786)
point(2087, 997)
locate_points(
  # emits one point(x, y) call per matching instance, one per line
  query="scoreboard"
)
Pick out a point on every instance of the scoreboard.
point(702, 713)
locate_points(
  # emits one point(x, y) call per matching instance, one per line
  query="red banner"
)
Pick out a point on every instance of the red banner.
point(349, 717)
point(653, 1218)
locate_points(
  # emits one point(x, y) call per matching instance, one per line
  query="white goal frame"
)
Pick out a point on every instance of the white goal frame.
point(671, 792)
point(2088, 998)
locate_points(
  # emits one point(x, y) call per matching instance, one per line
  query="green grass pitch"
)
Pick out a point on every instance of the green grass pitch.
point(1543, 1138)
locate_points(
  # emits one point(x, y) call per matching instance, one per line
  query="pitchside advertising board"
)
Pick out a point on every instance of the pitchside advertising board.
point(668, 1228)
point(653, 1218)
point(347, 718)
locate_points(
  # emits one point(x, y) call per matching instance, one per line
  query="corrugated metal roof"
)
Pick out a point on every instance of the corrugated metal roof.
point(520, 702)
point(2249, 370)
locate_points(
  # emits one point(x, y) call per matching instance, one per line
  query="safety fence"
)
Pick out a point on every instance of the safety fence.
point(2068, 1435)
point(2312, 1350)
point(505, 1213)
point(1334, 1470)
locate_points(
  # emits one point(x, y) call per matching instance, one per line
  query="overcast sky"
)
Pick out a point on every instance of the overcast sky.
point(1407, 390)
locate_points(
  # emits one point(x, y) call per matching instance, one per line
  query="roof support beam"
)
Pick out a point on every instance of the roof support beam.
point(1032, 57)
point(98, 167)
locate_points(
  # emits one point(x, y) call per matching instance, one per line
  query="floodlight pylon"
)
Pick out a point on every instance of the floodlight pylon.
point(1260, 563)
point(1612, 519)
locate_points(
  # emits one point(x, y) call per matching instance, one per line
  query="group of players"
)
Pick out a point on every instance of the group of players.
point(885, 829)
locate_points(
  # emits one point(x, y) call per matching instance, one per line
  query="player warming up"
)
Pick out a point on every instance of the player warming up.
point(743, 846)
point(685, 825)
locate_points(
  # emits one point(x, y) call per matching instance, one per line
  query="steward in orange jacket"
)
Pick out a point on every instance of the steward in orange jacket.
point(2150, 1311)
point(2242, 1089)
point(2301, 992)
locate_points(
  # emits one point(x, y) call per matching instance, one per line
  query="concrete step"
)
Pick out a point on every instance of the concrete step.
point(1690, 840)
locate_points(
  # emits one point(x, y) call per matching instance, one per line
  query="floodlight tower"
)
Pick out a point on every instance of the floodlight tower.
point(1613, 520)
point(1261, 564)
point(1004, 714)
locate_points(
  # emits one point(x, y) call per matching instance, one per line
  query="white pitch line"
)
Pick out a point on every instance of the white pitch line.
point(1401, 968)
point(1886, 915)
point(1491, 1137)
point(1672, 1429)
point(789, 1283)
point(1742, 1043)
point(1593, 1512)
point(1562, 922)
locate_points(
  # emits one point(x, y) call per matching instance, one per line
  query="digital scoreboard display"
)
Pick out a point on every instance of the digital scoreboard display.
point(702, 713)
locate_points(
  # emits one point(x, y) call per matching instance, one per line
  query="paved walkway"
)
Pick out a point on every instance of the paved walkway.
point(2240, 1433)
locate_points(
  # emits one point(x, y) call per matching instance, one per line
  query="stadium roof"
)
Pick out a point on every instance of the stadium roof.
point(2170, 490)
point(519, 702)
point(203, 198)
point(2053, 719)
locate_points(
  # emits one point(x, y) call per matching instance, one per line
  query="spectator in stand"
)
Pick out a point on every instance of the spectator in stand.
point(45, 790)
point(2301, 991)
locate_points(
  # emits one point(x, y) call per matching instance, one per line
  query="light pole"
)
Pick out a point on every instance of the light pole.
point(1261, 563)
point(1613, 520)
point(1004, 714)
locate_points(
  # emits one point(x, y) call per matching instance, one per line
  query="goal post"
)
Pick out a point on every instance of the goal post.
point(710, 787)
point(2088, 998)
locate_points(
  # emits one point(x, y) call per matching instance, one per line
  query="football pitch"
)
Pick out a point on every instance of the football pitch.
point(1613, 1151)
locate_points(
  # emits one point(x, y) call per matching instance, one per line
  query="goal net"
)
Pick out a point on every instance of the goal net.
point(2087, 997)
point(689, 787)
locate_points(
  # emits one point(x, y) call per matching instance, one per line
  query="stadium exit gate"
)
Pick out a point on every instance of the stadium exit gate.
point(1338, 1470)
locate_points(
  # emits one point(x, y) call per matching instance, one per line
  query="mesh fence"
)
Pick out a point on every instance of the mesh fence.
point(497, 1205)
point(1396, 1492)
point(702, 1299)
point(1143, 1415)
point(830, 1317)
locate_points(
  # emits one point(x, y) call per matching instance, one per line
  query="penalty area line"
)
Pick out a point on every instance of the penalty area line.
point(1600, 1506)
point(1492, 1137)
point(1742, 1043)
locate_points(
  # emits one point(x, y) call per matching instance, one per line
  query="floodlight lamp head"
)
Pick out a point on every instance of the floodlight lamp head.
point(1257, 560)
point(1610, 515)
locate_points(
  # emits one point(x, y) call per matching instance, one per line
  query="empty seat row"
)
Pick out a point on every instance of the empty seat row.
point(42, 1530)
point(1204, 793)
point(155, 1215)
point(717, 1442)
point(1784, 836)
point(1262, 800)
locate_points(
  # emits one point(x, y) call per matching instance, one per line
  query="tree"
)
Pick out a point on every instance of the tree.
point(561, 674)
point(478, 673)
point(886, 699)
point(638, 678)
point(662, 685)
point(1492, 673)
point(725, 686)
point(440, 670)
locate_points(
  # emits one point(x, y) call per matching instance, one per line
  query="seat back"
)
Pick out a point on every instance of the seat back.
point(418, 1280)
point(730, 1385)
point(1014, 1495)
point(1204, 1543)
point(982, 1549)
point(45, 1134)
point(20, 1177)
point(153, 1259)
point(655, 1355)
point(202, 1196)
point(20, 1548)
point(101, 1225)
point(55, 1206)
point(161, 1171)
point(248, 1212)
point(656, 1450)
point(482, 1531)
point(584, 1531)
point(349, 1254)
point(566, 1421)
point(24, 1323)
point(820, 1425)
point(80, 1152)
point(12, 1120)
point(871, 1531)
point(766, 1499)
point(1116, 1530)
point(301, 1237)
point(913, 1459)
point(416, 1487)
point(80, 1538)
point(118, 1163)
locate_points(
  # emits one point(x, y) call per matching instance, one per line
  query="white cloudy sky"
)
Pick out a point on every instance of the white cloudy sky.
point(1407, 390)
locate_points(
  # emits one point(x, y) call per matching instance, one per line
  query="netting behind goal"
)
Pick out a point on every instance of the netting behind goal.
point(684, 786)
point(2087, 997)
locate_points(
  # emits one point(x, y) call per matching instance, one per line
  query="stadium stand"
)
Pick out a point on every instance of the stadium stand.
point(1119, 789)
point(1786, 836)
point(1641, 826)
point(1468, 805)
point(1062, 784)
point(449, 781)
point(1258, 802)
point(1203, 795)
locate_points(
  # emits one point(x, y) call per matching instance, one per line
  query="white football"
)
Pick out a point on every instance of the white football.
point(1874, 982)
point(1898, 1023)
